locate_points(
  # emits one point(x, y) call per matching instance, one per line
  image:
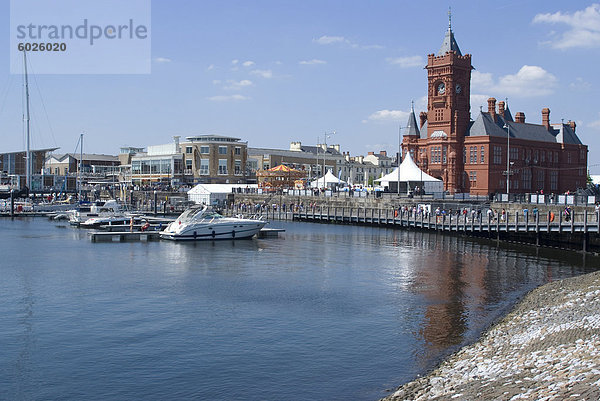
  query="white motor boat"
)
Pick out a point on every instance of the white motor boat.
point(100, 213)
point(202, 223)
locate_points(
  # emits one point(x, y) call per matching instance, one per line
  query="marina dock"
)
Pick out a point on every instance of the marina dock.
point(123, 236)
point(134, 236)
point(580, 232)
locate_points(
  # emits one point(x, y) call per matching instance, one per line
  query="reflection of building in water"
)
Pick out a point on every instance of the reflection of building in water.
point(452, 282)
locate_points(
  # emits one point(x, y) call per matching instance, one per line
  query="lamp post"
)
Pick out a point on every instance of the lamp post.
point(399, 154)
point(507, 159)
point(325, 136)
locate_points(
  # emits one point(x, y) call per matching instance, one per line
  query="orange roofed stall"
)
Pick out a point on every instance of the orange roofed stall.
point(281, 176)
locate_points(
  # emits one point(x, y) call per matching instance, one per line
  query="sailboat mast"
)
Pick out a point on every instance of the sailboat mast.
point(80, 162)
point(28, 155)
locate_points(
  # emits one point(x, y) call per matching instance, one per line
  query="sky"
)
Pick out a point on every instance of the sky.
point(273, 72)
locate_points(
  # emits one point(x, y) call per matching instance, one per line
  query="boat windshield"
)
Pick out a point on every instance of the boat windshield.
point(198, 213)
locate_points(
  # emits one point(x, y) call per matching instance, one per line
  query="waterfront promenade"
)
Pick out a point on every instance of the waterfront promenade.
point(547, 348)
point(579, 232)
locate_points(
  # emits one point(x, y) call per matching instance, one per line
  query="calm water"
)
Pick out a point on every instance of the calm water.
point(323, 313)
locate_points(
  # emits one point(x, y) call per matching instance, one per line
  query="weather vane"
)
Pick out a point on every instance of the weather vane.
point(449, 17)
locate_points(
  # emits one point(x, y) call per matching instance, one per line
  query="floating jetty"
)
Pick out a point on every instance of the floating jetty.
point(123, 236)
point(134, 236)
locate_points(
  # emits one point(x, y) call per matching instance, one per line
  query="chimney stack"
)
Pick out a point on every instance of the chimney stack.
point(520, 117)
point(492, 108)
point(546, 117)
point(371, 153)
point(384, 153)
point(501, 108)
point(423, 118)
point(572, 125)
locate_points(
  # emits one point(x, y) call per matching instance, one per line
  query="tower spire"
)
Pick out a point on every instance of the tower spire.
point(449, 43)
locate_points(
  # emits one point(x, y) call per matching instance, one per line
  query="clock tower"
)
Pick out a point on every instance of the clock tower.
point(448, 109)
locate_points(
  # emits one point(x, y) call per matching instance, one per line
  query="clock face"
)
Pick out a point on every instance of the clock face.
point(441, 88)
point(458, 88)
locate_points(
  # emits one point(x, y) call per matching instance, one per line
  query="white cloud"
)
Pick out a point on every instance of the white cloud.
point(235, 62)
point(237, 85)
point(583, 28)
point(248, 63)
point(312, 62)
point(479, 102)
point(228, 98)
point(407, 62)
point(481, 80)
point(529, 81)
point(594, 124)
point(327, 40)
point(162, 60)
point(385, 116)
point(210, 67)
point(580, 85)
point(262, 73)
point(216, 81)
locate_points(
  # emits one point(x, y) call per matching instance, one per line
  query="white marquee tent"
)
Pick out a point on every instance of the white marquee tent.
point(411, 176)
point(330, 180)
point(209, 194)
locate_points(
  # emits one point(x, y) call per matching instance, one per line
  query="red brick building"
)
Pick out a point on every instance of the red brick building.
point(471, 155)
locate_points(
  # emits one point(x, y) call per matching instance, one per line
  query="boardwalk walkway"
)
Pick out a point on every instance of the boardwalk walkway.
point(581, 230)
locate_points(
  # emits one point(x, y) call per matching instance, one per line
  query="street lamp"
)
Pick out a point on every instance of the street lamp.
point(325, 136)
point(399, 153)
point(507, 159)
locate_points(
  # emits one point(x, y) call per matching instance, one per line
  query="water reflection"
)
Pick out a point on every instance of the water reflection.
point(368, 308)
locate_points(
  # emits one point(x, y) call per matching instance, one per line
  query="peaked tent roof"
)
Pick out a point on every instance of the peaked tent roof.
point(329, 179)
point(283, 168)
point(409, 171)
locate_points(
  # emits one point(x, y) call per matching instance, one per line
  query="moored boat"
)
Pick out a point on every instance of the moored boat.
point(202, 223)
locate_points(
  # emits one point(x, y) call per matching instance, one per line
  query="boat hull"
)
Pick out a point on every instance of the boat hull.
point(215, 232)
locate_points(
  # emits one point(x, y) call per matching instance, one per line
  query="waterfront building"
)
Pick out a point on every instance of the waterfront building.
point(479, 156)
point(206, 159)
point(93, 164)
point(355, 170)
point(13, 166)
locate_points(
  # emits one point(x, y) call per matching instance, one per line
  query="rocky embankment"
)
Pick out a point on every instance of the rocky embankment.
point(548, 348)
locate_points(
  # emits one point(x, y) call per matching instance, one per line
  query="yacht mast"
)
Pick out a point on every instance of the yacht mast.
point(80, 162)
point(28, 152)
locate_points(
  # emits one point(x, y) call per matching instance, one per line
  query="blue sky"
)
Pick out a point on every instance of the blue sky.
point(272, 72)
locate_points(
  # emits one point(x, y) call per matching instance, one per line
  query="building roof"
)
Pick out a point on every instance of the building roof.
point(311, 150)
point(484, 125)
point(449, 44)
point(412, 128)
point(424, 131)
point(319, 150)
point(211, 138)
point(31, 150)
point(86, 156)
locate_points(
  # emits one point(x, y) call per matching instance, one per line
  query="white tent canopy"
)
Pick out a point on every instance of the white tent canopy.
point(210, 194)
point(411, 173)
point(329, 180)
